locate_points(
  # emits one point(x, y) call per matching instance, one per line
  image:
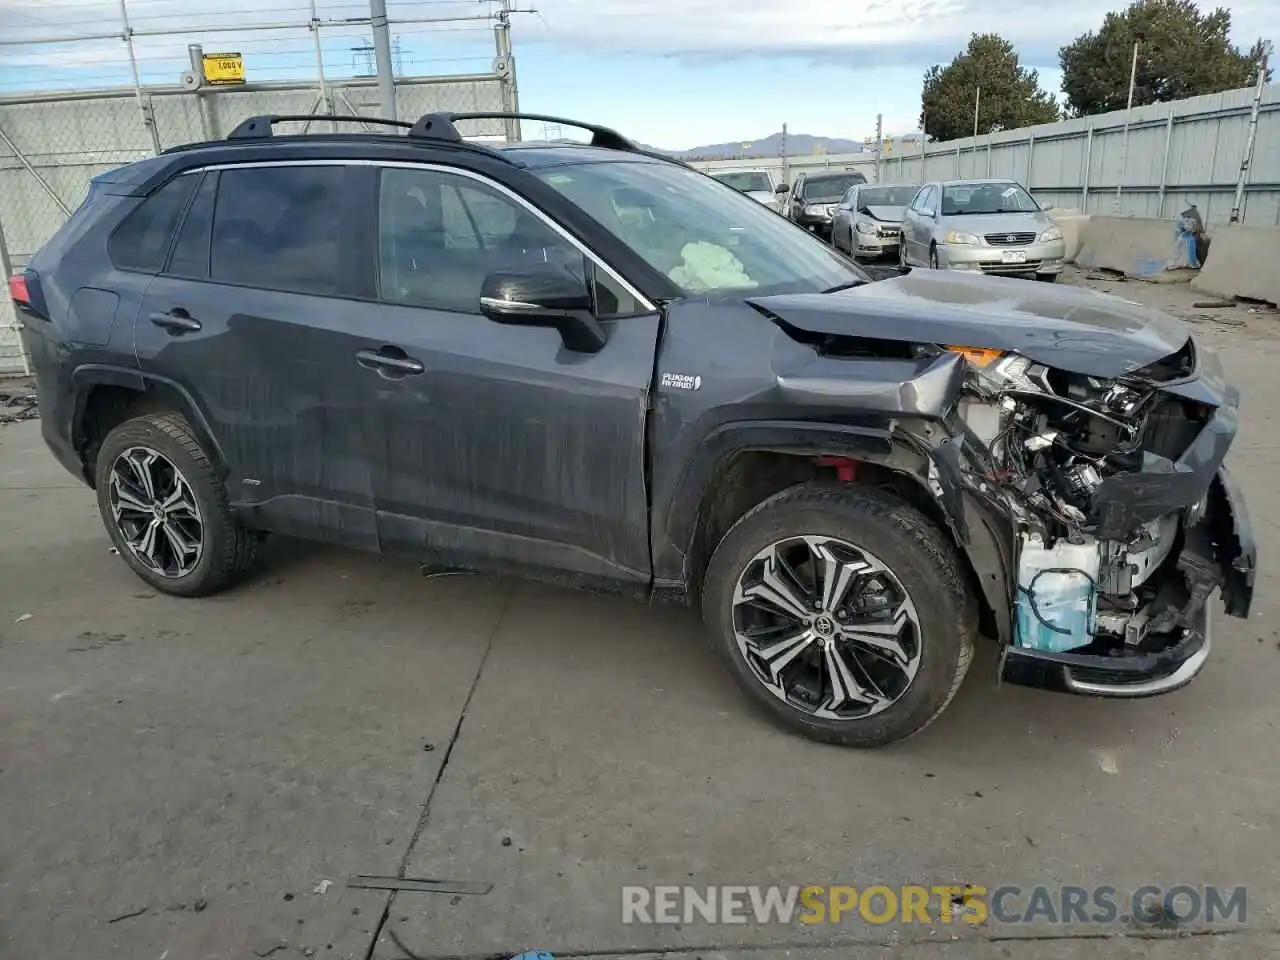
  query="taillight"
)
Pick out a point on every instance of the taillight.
point(18, 289)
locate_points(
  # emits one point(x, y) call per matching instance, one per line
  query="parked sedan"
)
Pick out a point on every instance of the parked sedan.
point(814, 197)
point(868, 221)
point(756, 184)
point(981, 226)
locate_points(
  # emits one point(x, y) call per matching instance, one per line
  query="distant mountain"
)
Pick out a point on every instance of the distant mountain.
point(798, 145)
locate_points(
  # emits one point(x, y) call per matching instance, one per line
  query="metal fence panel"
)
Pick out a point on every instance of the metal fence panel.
point(51, 146)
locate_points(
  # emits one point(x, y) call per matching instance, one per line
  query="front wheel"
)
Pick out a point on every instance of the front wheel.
point(1047, 277)
point(903, 266)
point(166, 509)
point(842, 611)
point(933, 257)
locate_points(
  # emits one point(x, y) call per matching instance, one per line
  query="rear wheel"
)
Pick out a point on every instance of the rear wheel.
point(842, 612)
point(166, 509)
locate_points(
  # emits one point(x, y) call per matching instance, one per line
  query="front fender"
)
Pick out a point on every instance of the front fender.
point(946, 467)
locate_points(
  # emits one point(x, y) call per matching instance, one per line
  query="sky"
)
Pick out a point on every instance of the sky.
point(671, 73)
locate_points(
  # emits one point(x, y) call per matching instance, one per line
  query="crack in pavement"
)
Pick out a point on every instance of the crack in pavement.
point(425, 813)
point(722, 948)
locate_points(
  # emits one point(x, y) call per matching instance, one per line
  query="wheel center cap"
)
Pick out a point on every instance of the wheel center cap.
point(824, 626)
point(157, 511)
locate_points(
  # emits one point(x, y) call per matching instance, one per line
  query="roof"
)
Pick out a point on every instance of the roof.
point(974, 181)
point(535, 155)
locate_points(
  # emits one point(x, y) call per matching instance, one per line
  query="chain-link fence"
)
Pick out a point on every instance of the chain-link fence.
point(87, 86)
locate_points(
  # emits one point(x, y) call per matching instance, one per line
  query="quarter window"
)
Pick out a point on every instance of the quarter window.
point(279, 228)
point(141, 242)
point(191, 251)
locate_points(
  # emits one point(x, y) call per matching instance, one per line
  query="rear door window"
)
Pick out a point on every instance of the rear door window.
point(279, 228)
point(142, 241)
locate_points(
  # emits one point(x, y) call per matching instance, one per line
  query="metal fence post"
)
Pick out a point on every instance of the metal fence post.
point(1084, 174)
point(502, 45)
point(1031, 155)
point(6, 268)
point(195, 52)
point(1164, 166)
point(144, 102)
point(325, 99)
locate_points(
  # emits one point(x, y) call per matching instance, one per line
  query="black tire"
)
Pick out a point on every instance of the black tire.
point(229, 551)
point(933, 257)
point(903, 266)
point(1047, 277)
point(919, 556)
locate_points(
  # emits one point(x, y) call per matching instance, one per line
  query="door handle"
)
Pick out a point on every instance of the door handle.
point(389, 361)
point(176, 321)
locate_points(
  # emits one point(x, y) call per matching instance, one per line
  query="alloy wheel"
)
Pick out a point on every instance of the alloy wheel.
point(826, 627)
point(155, 512)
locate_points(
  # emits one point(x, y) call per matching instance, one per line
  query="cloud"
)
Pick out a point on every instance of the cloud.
point(858, 34)
point(867, 33)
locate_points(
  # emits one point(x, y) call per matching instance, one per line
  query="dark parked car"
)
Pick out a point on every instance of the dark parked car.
point(593, 365)
point(814, 197)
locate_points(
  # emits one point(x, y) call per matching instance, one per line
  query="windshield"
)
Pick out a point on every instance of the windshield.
point(898, 196)
point(974, 198)
point(747, 181)
point(830, 189)
point(703, 235)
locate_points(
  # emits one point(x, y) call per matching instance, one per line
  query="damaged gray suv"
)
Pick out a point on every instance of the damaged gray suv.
point(599, 367)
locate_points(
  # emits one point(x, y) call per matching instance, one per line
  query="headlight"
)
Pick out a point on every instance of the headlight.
point(865, 227)
point(960, 237)
point(997, 370)
point(1053, 233)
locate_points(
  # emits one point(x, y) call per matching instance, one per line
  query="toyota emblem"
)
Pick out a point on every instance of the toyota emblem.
point(1011, 238)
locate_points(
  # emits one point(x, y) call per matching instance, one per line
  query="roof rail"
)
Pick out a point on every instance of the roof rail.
point(259, 128)
point(441, 126)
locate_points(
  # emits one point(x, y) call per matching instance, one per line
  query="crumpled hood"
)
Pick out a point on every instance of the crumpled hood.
point(1069, 328)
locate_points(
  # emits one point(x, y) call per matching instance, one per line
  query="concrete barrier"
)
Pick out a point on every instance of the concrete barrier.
point(1134, 246)
point(1242, 262)
point(1071, 222)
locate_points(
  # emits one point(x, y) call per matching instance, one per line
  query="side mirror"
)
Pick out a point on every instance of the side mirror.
point(544, 299)
point(781, 189)
point(1044, 204)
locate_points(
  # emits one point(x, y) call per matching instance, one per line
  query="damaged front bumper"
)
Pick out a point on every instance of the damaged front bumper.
point(1218, 558)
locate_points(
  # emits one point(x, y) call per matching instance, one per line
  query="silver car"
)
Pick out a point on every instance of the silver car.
point(868, 221)
point(981, 226)
point(756, 184)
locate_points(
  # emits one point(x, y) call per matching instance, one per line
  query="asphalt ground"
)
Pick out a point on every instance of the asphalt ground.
point(200, 779)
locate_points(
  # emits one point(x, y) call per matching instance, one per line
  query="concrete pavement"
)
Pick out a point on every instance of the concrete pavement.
point(192, 779)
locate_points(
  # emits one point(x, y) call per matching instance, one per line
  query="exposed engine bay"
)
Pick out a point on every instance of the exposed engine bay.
point(1086, 576)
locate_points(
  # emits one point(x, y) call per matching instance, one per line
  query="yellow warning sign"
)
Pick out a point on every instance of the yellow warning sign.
point(223, 68)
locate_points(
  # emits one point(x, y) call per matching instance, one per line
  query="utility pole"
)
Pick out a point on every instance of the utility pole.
point(977, 103)
point(1124, 156)
point(1252, 136)
point(786, 164)
point(879, 142)
point(382, 54)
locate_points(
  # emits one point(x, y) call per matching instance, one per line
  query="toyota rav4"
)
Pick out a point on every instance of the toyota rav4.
point(594, 365)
